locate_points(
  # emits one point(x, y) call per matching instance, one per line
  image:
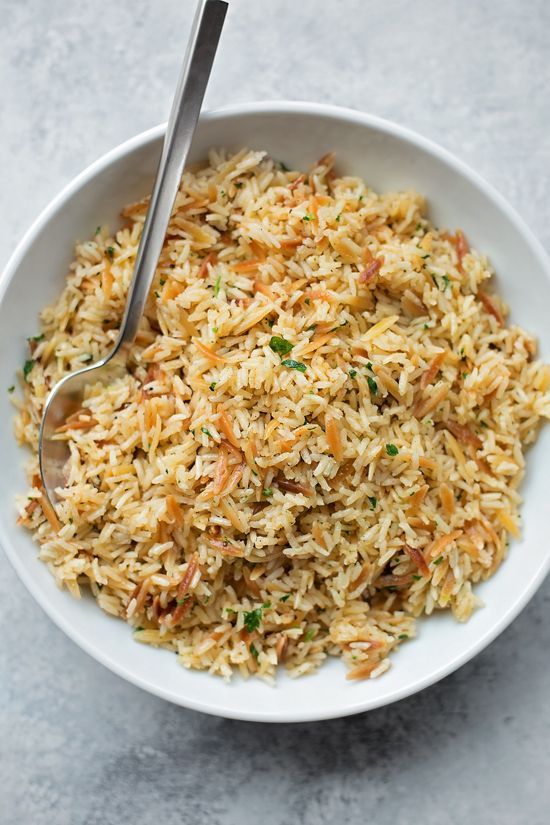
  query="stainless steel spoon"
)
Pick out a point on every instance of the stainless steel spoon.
point(67, 395)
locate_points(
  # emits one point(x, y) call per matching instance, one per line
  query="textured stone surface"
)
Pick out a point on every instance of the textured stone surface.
point(78, 745)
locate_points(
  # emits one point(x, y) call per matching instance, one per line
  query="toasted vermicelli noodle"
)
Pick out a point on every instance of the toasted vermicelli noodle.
point(320, 434)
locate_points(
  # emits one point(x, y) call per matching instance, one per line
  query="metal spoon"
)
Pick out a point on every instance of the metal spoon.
point(67, 395)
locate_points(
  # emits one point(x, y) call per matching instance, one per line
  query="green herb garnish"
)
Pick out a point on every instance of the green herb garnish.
point(285, 598)
point(294, 365)
point(337, 219)
point(254, 650)
point(11, 389)
point(391, 449)
point(252, 619)
point(352, 373)
point(417, 578)
point(97, 231)
point(309, 634)
point(212, 386)
point(36, 338)
point(447, 282)
point(438, 560)
point(280, 345)
point(205, 431)
point(217, 286)
point(373, 502)
point(162, 281)
point(403, 636)
point(267, 491)
point(27, 367)
point(308, 217)
point(239, 185)
point(111, 252)
point(373, 386)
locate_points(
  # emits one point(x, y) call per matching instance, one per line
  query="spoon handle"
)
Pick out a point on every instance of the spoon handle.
point(184, 116)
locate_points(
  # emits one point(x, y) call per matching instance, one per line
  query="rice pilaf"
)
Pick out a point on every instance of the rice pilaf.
point(320, 436)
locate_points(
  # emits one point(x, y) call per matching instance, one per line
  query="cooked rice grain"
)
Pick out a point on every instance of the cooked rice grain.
point(320, 436)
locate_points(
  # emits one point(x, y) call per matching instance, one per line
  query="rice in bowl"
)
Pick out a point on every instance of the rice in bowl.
point(320, 436)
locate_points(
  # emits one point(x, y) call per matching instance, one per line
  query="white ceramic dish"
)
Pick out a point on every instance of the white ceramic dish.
point(388, 157)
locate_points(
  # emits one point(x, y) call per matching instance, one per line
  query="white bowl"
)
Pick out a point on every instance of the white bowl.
point(388, 157)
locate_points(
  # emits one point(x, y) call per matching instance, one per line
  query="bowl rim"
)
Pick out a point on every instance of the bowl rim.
point(272, 107)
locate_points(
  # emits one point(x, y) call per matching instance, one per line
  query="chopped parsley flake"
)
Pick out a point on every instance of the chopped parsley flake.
point(239, 185)
point(307, 302)
point(137, 629)
point(426, 326)
point(27, 367)
point(337, 219)
point(352, 373)
point(403, 636)
point(417, 578)
point(438, 560)
point(267, 491)
point(162, 281)
point(252, 619)
point(217, 286)
point(205, 431)
point(369, 366)
point(254, 650)
point(111, 252)
point(483, 423)
point(308, 217)
point(11, 389)
point(447, 281)
point(270, 322)
point(309, 634)
point(37, 338)
point(391, 449)
point(97, 231)
point(182, 601)
point(373, 502)
point(212, 386)
point(373, 386)
point(285, 598)
point(280, 345)
point(294, 365)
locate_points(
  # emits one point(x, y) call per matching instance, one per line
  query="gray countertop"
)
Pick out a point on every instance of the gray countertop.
point(79, 745)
